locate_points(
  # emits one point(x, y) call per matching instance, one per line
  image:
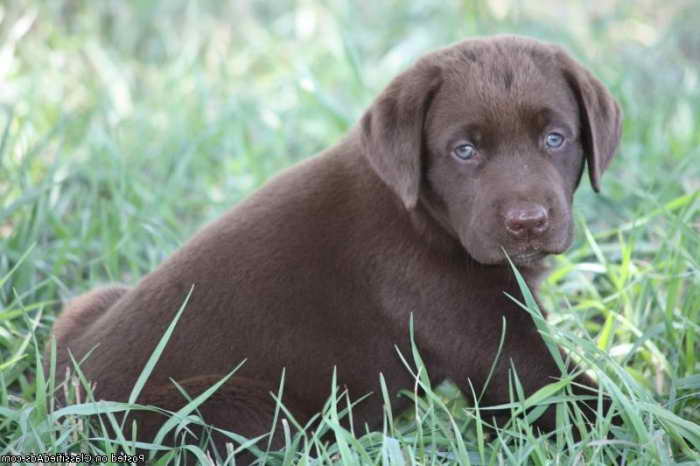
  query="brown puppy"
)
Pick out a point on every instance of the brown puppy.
point(476, 149)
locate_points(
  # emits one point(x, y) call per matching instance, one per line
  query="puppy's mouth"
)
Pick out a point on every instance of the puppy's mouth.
point(529, 252)
point(528, 256)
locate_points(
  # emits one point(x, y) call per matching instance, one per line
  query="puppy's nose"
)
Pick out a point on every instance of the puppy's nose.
point(526, 220)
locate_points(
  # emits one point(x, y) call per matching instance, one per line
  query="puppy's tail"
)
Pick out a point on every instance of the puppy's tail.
point(79, 313)
point(77, 317)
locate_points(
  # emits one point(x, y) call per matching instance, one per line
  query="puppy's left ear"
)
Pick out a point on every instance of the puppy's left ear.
point(392, 129)
point(601, 117)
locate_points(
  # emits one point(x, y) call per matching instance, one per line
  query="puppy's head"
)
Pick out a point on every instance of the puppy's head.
point(490, 136)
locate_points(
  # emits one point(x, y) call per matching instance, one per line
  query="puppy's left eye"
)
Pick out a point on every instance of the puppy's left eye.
point(464, 151)
point(554, 140)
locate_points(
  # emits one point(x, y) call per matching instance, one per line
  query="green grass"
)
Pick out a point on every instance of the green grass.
point(124, 126)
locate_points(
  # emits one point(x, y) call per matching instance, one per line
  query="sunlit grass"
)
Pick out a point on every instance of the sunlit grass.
point(124, 126)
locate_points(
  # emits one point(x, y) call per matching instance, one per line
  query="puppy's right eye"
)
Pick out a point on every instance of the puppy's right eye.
point(554, 140)
point(464, 151)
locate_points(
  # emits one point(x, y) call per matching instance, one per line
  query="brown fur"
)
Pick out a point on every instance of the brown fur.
point(325, 264)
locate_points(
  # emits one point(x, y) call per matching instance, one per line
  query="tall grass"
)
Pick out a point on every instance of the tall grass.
point(124, 126)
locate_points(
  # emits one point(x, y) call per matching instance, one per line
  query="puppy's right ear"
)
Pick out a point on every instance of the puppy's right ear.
point(392, 130)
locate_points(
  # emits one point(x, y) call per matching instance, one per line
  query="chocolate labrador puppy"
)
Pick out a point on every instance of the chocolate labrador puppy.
point(472, 153)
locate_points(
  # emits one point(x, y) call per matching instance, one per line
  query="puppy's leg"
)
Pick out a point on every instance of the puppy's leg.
point(528, 354)
point(242, 406)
